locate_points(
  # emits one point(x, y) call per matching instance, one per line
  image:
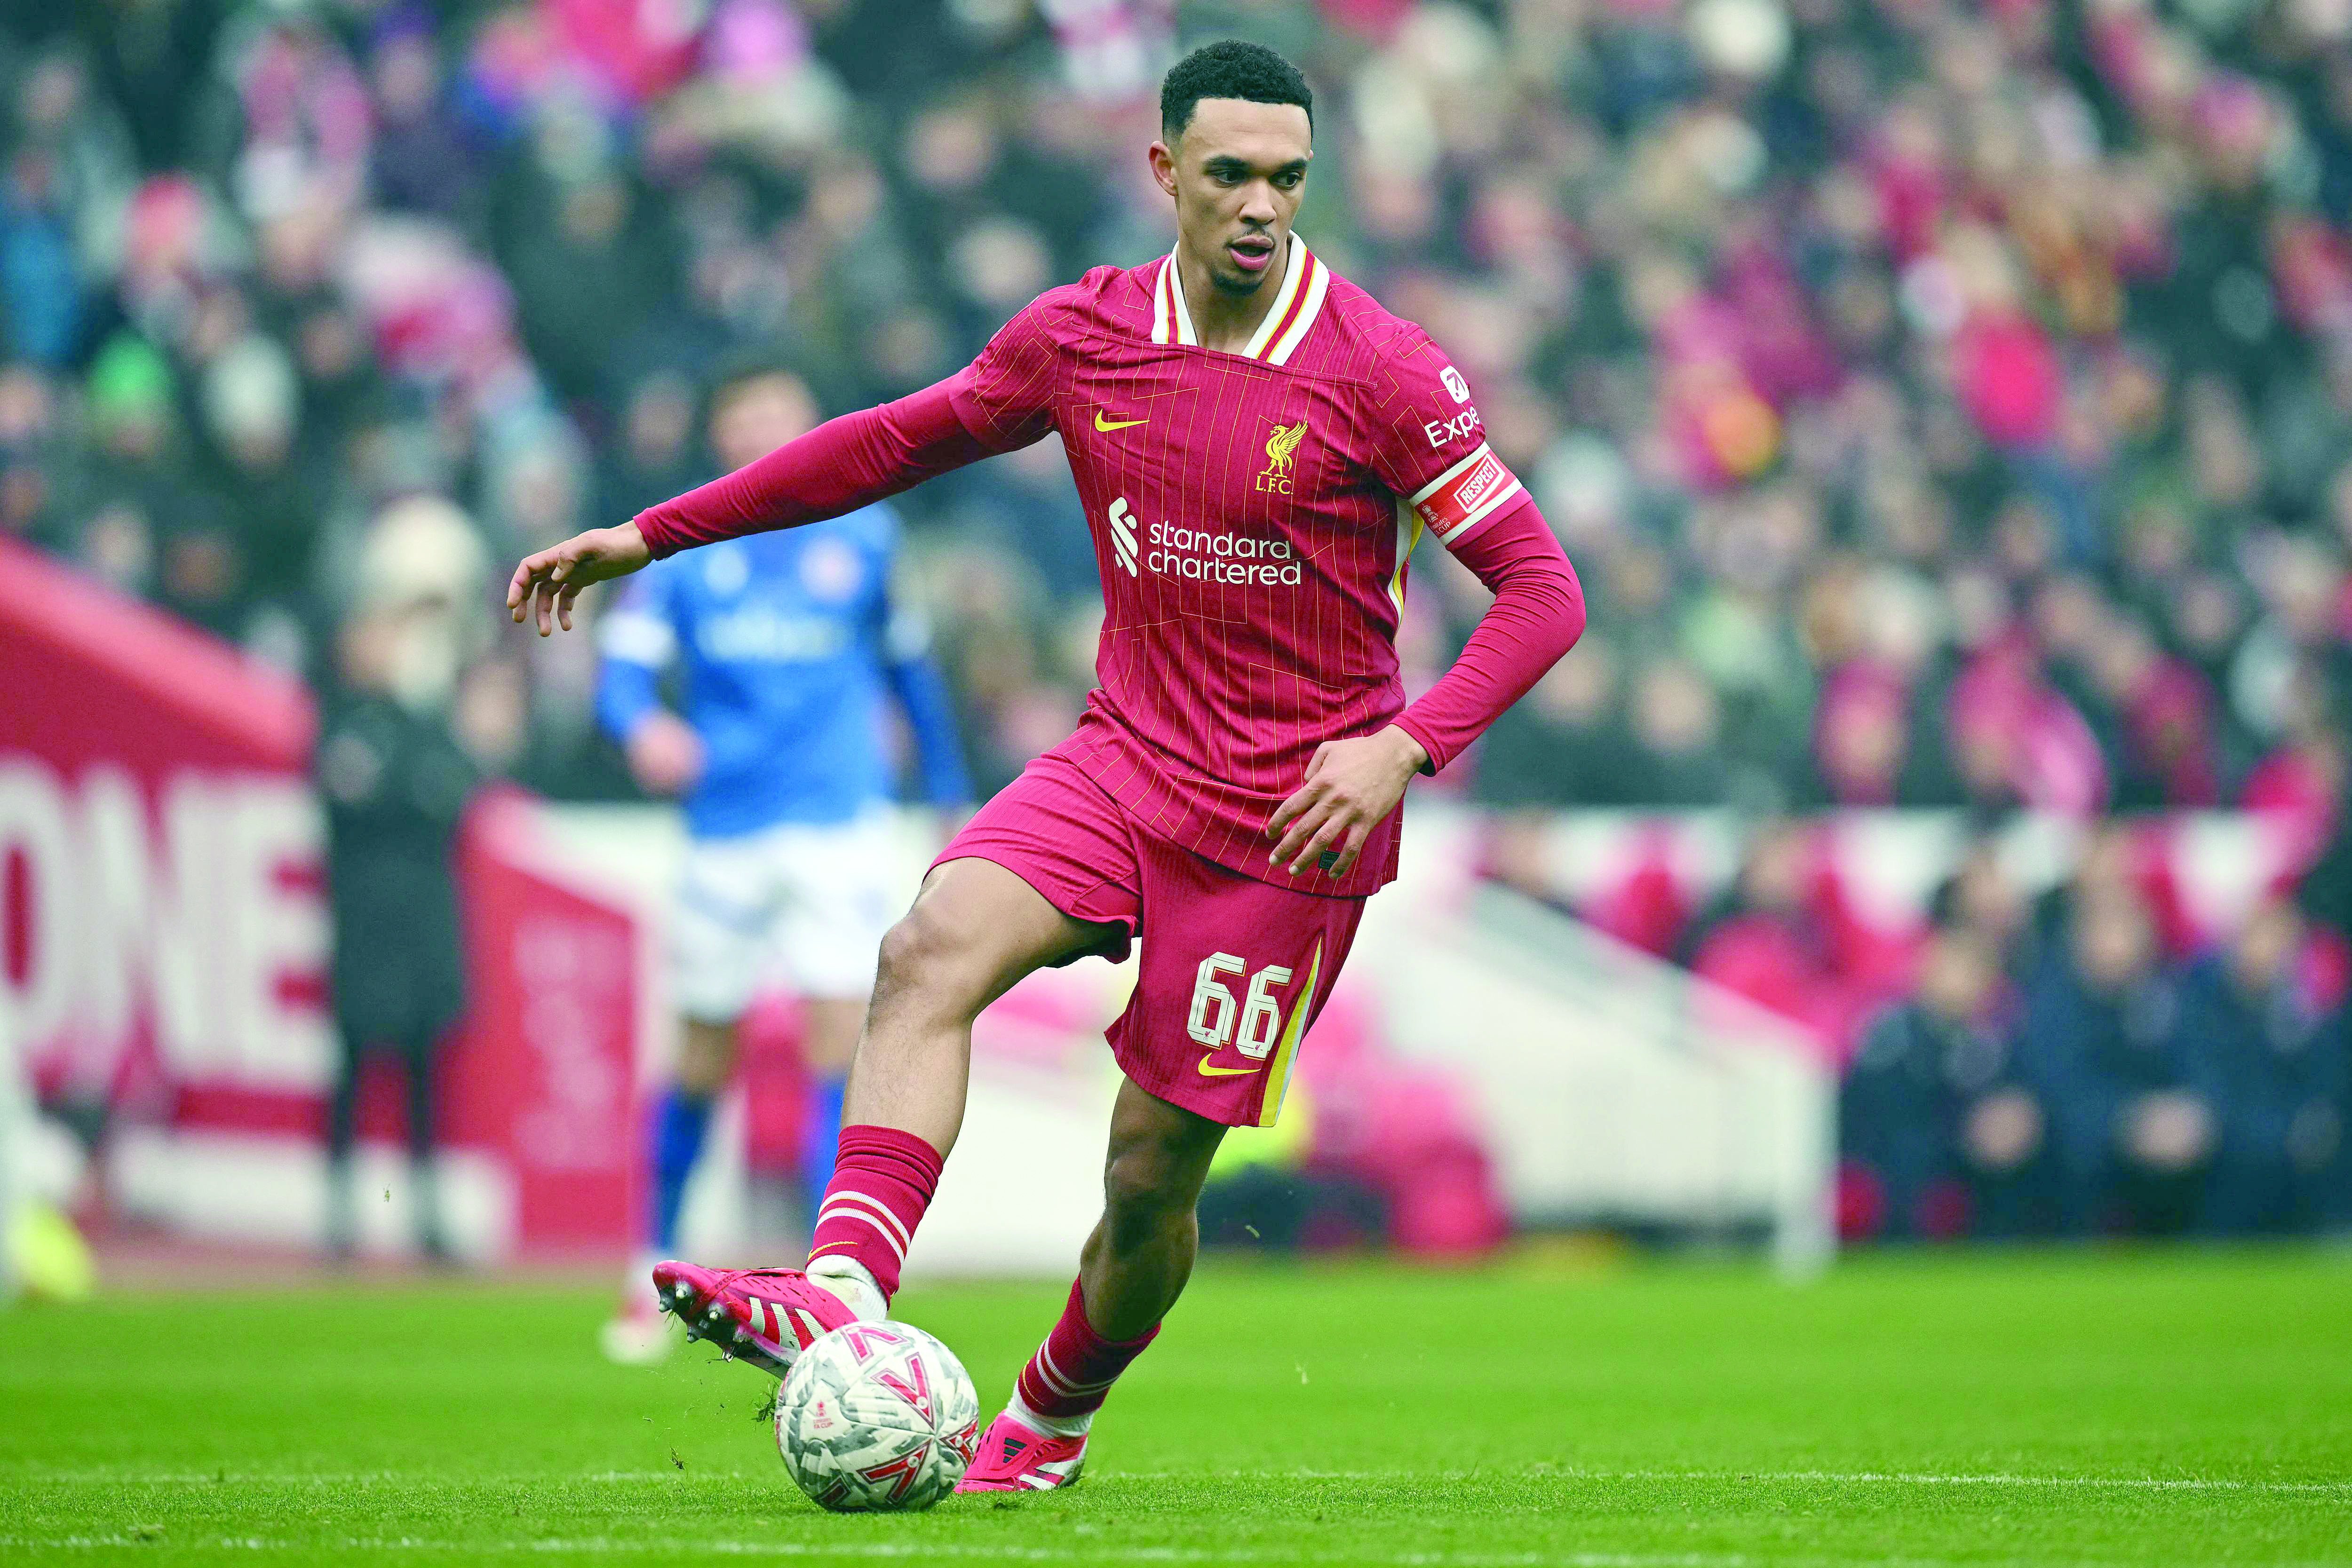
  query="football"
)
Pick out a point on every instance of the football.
point(875, 1418)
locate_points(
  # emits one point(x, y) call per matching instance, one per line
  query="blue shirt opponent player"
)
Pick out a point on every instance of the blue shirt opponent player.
point(782, 647)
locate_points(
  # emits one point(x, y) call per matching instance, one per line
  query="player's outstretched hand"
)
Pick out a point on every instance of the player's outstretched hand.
point(1352, 786)
point(546, 585)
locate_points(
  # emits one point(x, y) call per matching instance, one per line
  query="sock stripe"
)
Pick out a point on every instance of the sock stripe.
point(882, 1182)
point(1063, 1380)
point(851, 1208)
point(1074, 1368)
point(889, 1220)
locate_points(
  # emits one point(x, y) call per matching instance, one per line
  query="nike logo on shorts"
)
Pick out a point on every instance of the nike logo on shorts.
point(1209, 1071)
point(1102, 423)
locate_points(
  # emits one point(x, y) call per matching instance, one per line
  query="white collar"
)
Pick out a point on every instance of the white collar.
point(1298, 301)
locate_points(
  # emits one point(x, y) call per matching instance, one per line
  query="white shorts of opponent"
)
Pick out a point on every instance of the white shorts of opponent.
point(798, 905)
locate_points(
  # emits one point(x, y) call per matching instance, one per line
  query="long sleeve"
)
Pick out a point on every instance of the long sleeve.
point(1537, 616)
point(839, 467)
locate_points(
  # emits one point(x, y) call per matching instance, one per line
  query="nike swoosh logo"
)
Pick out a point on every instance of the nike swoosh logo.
point(1102, 423)
point(1209, 1071)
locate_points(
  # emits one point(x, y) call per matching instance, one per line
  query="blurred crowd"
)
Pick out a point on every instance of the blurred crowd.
point(2060, 1071)
point(1947, 405)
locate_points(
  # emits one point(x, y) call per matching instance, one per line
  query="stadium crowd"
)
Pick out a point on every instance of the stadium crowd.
point(1947, 405)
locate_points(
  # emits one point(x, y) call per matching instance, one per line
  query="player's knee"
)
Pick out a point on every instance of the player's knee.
point(924, 956)
point(1145, 1187)
point(906, 946)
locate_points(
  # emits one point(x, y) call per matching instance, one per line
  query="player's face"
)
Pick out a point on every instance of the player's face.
point(1236, 172)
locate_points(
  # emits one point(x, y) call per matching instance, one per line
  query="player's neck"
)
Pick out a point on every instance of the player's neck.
point(1227, 322)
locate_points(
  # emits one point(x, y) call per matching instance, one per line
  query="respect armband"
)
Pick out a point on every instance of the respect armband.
point(1466, 493)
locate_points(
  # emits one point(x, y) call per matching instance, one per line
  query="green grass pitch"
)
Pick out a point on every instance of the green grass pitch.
point(2126, 1409)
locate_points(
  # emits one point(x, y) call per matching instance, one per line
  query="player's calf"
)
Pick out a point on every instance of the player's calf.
point(1140, 1254)
point(1134, 1267)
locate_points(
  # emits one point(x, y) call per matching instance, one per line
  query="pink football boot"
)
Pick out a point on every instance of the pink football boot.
point(767, 1316)
point(1015, 1456)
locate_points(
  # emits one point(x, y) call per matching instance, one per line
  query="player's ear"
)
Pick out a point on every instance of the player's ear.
point(1163, 166)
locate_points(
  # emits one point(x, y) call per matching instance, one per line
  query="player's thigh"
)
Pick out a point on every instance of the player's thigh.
point(1234, 970)
point(722, 925)
point(706, 1056)
point(1045, 872)
point(975, 929)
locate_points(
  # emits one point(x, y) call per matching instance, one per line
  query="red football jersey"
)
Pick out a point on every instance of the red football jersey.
point(1252, 514)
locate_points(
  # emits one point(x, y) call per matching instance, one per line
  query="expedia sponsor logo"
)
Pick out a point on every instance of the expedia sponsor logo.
point(1443, 431)
point(1201, 555)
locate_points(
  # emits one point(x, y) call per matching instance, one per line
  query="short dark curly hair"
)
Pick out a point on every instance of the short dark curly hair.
point(1230, 69)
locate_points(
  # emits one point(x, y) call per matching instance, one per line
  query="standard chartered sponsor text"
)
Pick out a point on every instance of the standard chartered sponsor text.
point(1242, 559)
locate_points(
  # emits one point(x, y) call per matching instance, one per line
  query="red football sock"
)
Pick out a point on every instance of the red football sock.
point(1072, 1372)
point(883, 1179)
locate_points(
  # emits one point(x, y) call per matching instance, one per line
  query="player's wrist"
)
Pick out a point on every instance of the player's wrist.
point(1412, 755)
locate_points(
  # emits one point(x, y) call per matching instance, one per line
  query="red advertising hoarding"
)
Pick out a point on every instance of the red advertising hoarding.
point(164, 939)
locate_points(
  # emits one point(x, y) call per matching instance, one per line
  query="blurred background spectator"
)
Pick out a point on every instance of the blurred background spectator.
point(1947, 406)
point(395, 776)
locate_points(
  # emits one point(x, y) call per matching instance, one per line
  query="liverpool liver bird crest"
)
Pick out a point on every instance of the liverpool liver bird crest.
point(1281, 451)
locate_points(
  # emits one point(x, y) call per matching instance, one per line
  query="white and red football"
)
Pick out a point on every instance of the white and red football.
point(876, 1416)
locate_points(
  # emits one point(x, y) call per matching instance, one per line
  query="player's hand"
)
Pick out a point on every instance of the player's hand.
point(1352, 786)
point(665, 754)
point(546, 585)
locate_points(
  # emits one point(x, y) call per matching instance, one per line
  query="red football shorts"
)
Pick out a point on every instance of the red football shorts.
point(1233, 969)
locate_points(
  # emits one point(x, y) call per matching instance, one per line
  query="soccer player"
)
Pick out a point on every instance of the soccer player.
point(1258, 445)
point(784, 644)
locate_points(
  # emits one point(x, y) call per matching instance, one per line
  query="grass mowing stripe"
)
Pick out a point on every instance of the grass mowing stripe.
point(2168, 1410)
point(606, 1545)
point(892, 1551)
point(737, 1478)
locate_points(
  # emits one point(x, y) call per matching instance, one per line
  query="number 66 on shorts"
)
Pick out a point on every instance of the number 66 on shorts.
point(1234, 967)
point(1234, 970)
point(1212, 1023)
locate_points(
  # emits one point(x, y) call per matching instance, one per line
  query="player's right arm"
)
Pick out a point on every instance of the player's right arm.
point(547, 585)
point(998, 402)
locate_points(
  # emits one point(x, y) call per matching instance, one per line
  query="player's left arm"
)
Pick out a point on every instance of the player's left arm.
point(1434, 453)
point(1537, 616)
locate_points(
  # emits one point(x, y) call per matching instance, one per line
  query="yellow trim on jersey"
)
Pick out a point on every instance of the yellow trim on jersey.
point(1317, 288)
point(1180, 315)
point(1409, 528)
point(1171, 318)
point(1278, 1073)
point(1294, 268)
